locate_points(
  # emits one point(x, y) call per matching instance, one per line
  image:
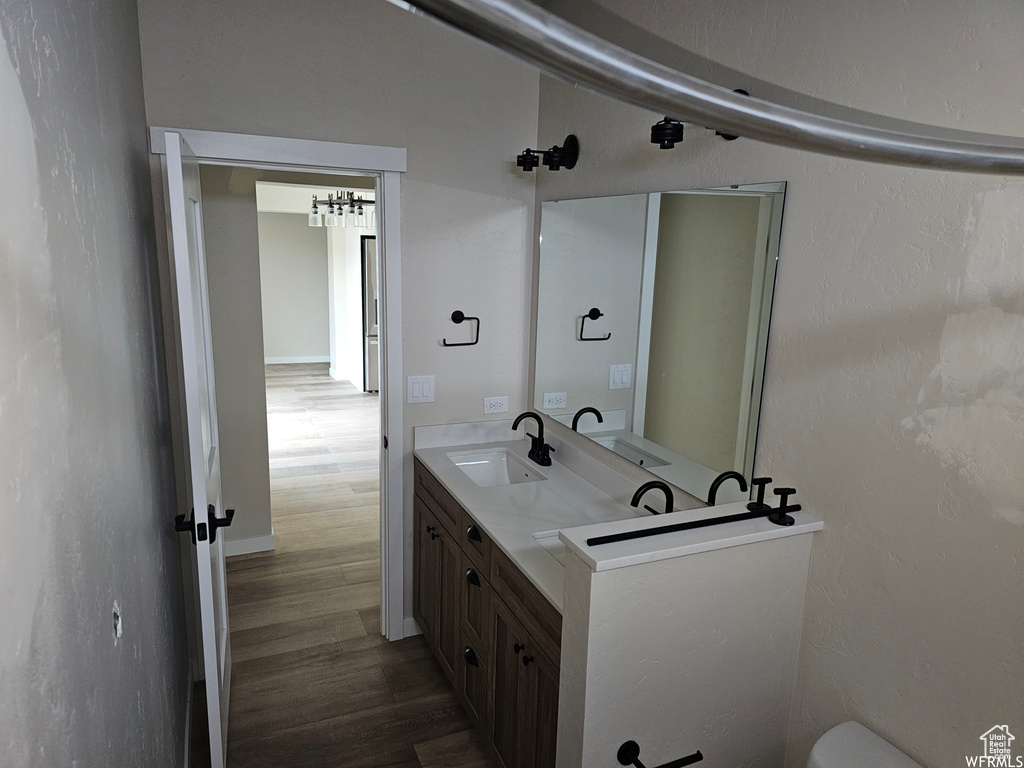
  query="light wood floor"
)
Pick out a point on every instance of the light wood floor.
point(314, 684)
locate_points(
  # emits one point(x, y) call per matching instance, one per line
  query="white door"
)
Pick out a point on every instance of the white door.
point(193, 311)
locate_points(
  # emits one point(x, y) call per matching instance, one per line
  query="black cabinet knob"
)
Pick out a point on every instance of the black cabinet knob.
point(472, 578)
point(516, 648)
point(527, 660)
point(470, 656)
point(473, 534)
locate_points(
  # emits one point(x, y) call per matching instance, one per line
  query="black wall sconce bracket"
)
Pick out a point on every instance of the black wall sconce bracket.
point(556, 158)
point(458, 317)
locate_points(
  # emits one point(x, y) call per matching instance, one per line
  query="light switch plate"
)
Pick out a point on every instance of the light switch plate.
point(620, 376)
point(554, 400)
point(420, 389)
point(496, 404)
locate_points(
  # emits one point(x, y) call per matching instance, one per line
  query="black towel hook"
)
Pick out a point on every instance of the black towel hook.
point(458, 316)
point(593, 314)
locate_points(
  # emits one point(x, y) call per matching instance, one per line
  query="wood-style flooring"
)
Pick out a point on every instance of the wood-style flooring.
point(314, 684)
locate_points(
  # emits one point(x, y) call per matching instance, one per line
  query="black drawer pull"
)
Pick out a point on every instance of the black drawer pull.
point(471, 657)
point(527, 660)
point(517, 647)
point(473, 534)
point(472, 578)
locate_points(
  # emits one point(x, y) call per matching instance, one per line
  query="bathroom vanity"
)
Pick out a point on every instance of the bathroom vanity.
point(561, 651)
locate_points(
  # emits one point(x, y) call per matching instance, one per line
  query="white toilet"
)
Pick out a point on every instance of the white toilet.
point(851, 745)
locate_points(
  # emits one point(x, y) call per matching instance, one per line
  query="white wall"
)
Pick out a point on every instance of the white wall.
point(86, 479)
point(463, 112)
point(892, 396)
point(293, 289)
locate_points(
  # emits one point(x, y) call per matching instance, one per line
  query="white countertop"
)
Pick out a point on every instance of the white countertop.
point(578, 510)
point(511, 514)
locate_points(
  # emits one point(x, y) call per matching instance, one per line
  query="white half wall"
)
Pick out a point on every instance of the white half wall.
point(294, 289)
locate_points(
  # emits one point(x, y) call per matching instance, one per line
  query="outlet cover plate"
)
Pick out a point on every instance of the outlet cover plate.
point(496, 404)
point(554, 400)
point(420, 389)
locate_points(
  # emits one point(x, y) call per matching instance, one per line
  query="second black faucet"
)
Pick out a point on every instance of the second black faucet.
point(540, 452)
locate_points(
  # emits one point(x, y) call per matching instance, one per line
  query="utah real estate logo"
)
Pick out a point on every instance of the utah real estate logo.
point(997, 751)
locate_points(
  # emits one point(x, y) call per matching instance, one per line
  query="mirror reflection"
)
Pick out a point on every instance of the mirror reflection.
point(652, 324)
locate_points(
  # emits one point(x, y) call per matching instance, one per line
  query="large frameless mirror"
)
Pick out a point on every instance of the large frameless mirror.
point(653, 310)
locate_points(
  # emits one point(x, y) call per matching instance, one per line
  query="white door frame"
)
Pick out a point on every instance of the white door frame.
point(388, 164)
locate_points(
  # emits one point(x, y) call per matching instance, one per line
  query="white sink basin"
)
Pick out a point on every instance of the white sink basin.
point(495, 466)
point(550, 541)
point(630, 452)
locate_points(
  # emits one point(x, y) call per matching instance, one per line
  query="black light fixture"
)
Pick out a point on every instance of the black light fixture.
point(528, 160)
point(555, 159)
point(732, 136)
point(667, 133)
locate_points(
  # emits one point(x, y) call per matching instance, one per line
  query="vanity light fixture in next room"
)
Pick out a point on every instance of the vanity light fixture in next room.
point(555, 159)
point(344, 211)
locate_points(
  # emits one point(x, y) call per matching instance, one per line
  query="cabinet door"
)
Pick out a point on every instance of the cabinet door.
point(476, 599)
point(425, 567)
point(538, 708)
point(503, 718)
point(450, 578)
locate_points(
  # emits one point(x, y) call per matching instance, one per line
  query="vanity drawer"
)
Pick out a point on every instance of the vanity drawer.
point(539, 616)
point(475, 543)
point(447, 511)
point(476, 604)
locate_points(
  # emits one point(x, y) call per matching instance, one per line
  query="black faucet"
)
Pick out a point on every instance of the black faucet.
point(730, 475)
point(650, 486)
point(539, 450)
point(581, 411)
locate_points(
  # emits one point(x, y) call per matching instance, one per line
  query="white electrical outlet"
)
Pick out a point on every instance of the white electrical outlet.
point(420, 389)
point(496, 404)
point(620, 376)
point(554, 400)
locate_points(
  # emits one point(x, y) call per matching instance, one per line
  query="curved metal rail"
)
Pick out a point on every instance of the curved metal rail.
point(570, 53)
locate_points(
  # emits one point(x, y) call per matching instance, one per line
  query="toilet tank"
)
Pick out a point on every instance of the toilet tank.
point(851, 745)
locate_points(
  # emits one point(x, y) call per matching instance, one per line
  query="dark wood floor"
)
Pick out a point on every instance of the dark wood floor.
point(314, 683)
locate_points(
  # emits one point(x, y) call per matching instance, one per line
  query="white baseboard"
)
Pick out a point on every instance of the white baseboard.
point(299, 359)
point(411, 628)
point(248, 546)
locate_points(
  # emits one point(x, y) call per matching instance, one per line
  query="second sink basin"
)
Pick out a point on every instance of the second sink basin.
point(495, 466)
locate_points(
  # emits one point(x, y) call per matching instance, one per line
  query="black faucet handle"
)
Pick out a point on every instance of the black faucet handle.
point(761, 483)
point(779, 516)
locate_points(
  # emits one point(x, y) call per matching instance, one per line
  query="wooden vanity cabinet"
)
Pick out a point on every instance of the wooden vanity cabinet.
point(524, 705)
point(436, 587)
point(497, 638)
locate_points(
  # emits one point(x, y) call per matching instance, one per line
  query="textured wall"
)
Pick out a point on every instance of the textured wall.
point(894, 399)
point(85, 473)
point(293, 287)
point(462, 110)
